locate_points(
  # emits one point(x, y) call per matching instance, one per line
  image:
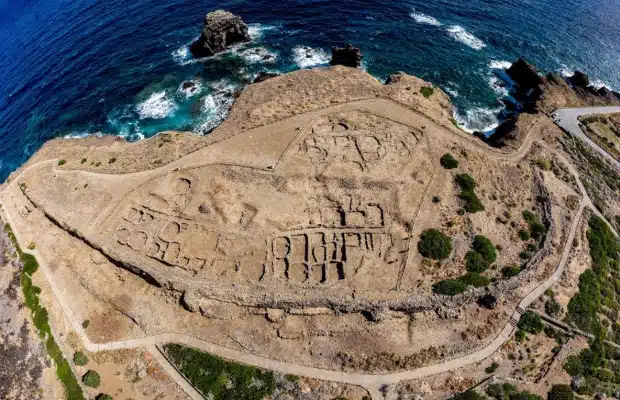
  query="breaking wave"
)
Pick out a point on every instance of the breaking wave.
point(421, 18)
point(459, 33)
point(157, 106)
point(305, 56)
point(500, 64)
point(479, 119)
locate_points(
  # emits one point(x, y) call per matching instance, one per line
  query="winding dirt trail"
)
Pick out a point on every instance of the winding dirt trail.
point(372, 383)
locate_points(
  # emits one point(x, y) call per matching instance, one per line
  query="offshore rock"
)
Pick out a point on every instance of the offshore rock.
point(222, 29)
point(348, 56)
point(524, 74)
point(579, 80)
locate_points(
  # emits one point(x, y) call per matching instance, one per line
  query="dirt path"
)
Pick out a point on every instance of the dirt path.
point(372, 383)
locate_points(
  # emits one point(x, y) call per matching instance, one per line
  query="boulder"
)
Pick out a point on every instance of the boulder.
point(222, 29)
point(579, 80)
point(348, 56)
point(263, 76)
point(524, 74)
point(274, 315)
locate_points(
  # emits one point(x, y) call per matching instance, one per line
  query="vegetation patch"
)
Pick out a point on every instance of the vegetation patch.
point(450, 287)
point(448, 161)
point(475, 262)
point(475, 280)
point(427, 91)
point(598, 294)
point(531, 322)
point(484, 247)
point(434, 244)
point(537, 229)
point(61, 162)
point(80, 358)
point(73, 391)
point(91, 379)
point(510, 271)
point(219, 379)
point(471, 202)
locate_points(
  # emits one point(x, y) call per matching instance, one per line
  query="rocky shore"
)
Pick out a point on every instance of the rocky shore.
point(222, 29)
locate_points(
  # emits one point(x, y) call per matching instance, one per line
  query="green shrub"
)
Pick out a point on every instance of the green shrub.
point(553, 308)
point(524, 235)
point(427, 91)
point(525, 395)
point(605, 375)
point(475, 262)
point(448, 161)
point(434, 244)
point(537, 229)
point(449, 287)
point(469, 395)
point(491, 368)
point(520, 335)
point(525, 255)
point(91, 379)
point(475, 279)
point(85, 324)
point(83, 160)
point(465, 182)
point(61, 162)
point(211, 374)
point(472, 203)
point(103, 396)
point(484, 246)
point(543, 163)
point(112, 160)
point(531, 322)
point(560, 392)
point(501, 391)
point(510, 271)
point(80, 358)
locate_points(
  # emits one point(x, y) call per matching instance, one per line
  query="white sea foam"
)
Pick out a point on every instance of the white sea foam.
point(566, 72)
point(421, 18)
point(157, 106)
point(597, 84)
point(459, 33)
point(498, 87)
point(452, 92)
point(256, 30)
point(494, 64)
point(308, 57)
point(216, 106)
point(258, 55)
point(477, 119)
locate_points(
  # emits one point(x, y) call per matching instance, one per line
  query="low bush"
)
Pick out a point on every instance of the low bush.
point(465, 182)
point(510, 271)
point(449, 287)
point(427, 91)
point(524, 235)
point(491, 368)
point(501, 391)
point(520, 335)
point(469, 395)
point(475, 262)
point(531, 322)
point(61, 162)
point(91, 379)
point(553, 308)
point(475, 279)
point(80, 358)
point(483, 245)
point(525, 255)
point(448, 161)
point(103, 396)
point(434, 244)
point(560, 392)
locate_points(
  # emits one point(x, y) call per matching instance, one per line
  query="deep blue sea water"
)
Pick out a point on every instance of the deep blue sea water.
point(78, 67)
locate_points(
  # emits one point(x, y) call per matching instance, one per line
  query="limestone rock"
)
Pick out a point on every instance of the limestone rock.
point(348, 56)
point(222, 29)
point(274, 315)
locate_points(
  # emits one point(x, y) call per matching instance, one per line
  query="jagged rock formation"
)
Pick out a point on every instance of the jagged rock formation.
point(579, 79)
point(222, 29)
point(348, 56)
point(263, 76)
point(528, 83)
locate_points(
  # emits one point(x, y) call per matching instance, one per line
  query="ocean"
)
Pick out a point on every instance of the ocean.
point(73, 68)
